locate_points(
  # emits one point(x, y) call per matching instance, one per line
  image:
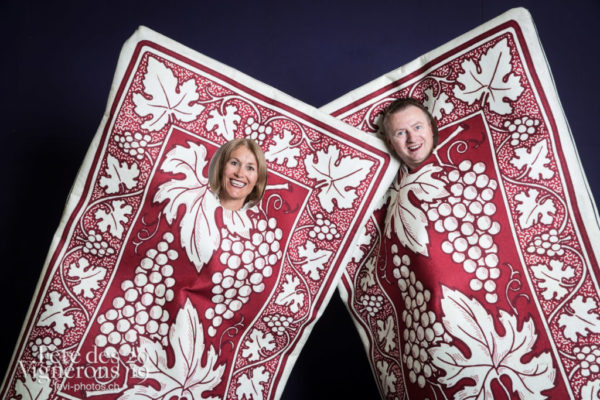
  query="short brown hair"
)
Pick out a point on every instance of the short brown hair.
point(217, 165)
point(405, 102)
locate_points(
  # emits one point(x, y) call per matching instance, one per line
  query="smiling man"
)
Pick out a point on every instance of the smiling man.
point(410, 130)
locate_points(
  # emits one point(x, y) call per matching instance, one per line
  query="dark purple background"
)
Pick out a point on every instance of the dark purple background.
point(58, 64)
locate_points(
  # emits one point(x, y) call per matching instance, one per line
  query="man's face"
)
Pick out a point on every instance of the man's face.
point(409, 133)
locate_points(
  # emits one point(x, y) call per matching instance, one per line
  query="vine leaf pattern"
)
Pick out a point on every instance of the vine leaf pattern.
point(199, 233)
point(387, 377)
point(580, 319)
point(368, 278)
point(386, 332)
point(166, 98)
point(490, 355)
point(591, 390)
point(113, 220)
point(282, 151)
point(490, 80)
point(225, 124)
point(33, 389)
point(257, 342)
point(404, 218)
point(437, 104)
point(251, 386)
point(188, 377)
point(55, 314)
point(552, 278)
point(290, 296)
point(314, 259)
point(336, 175)
point(533, 210)
point(117, 174)
point(87, 277)
point(535, 160)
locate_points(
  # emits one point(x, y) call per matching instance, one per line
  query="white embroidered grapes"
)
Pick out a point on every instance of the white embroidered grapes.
point(589, 358)
point(278, 323)
point(139, 311)
point(548, 243)
point(371, 303)
point(324, 229)
point(247, 262)
point(256, 131)
point(466, 216)
point(42, 349)
point(133, 144)
point(521, 129)
point(96, 246)
point(421, 329)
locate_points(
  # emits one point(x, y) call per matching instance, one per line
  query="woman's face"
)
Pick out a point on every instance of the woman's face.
point(239, 178)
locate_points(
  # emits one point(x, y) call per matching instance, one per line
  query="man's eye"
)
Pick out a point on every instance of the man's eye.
point(418, 127)
point(399, 133)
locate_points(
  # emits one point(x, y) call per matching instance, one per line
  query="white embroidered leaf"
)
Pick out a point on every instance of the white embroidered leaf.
point(283, 150)
point(490, 80)
point(437, 105)
point(87, 277)
point(535, 160)
point(113, 220)
point(54, 314)
point(388, 378)
point(532, 210)
point(256, 343)
point(337, 176)
point(404, 218)
point(33, 389)
point(314, 259)
point(198, 230)
point(581, 319)
point(251, 386)
point(552, 278)
point(363, 240)
point(289, 296)
point(591, 390)
point(490, 356)
point(164, 98)
point(193, 369)
point(238, 222)
point(368, 278)
point(225, 124)
point(386, 332)
point(117, 174)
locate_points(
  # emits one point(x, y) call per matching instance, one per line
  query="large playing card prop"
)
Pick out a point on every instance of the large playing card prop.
point(477, 277)
point(151, 289)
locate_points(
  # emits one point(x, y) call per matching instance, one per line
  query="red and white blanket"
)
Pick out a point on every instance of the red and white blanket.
point(151, 289)
point(477, 275)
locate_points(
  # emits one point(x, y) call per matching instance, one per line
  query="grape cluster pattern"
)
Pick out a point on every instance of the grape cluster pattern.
point(139, 311)
point(421, 328)
point(133, 144)
point(466, 216)
point(256, 131)
point(521, 129)
point(247, 262)
point(547, 243)
point(95, 245)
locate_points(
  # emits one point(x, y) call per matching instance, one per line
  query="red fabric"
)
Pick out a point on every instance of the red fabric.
point(153, 290)
point(476, 277)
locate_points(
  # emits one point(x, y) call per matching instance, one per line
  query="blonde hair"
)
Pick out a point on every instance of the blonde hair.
point(217, 165)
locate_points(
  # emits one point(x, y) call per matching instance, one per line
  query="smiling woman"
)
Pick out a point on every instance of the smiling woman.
point(238, 174)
